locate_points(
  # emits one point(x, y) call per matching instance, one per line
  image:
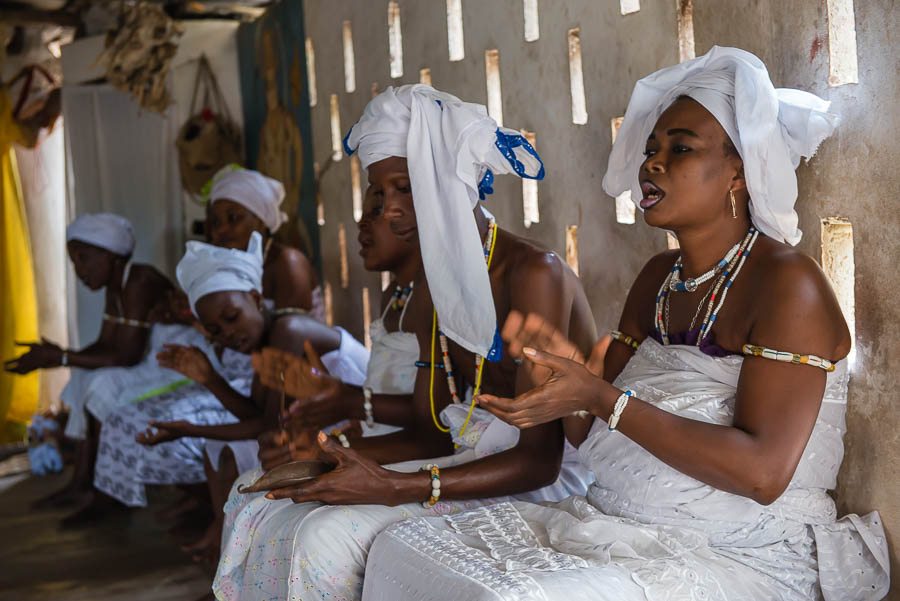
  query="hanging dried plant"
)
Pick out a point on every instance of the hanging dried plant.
point(139, 53)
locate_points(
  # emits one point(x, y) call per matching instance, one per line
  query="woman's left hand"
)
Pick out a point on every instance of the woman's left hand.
point(570, 388)
point(39, 355)
point(355, 480)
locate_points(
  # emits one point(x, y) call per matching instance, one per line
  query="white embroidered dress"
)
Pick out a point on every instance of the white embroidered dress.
point(309, 551)
point(646, 531)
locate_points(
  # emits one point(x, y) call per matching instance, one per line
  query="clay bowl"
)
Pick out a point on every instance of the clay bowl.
point(289, 474)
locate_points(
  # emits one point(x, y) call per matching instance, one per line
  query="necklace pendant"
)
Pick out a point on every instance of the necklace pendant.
point(690, 285)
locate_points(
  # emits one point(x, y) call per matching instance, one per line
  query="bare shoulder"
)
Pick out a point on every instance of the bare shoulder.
point(794, 295)
point(531, 263)
point(144, 279)
point(290, 331)
point(291, 260)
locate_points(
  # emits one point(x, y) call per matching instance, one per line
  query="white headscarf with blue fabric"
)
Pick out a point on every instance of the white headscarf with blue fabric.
point(453, 150)
point(770, 128)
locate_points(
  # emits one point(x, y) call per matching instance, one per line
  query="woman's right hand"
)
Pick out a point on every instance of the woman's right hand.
point(159, 432)
point(187, 360)
point(298, 377)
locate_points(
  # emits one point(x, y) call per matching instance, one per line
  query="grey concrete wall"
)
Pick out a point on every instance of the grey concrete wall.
point(853, 176)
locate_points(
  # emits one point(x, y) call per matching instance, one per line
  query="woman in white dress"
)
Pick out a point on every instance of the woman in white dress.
point(712, 451)
point(430, 157)
point(100, 246)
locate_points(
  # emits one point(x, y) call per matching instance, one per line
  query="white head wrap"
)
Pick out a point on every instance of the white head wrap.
point(104, 230)
point(770, 128)
point(261, 195)
point(205, 269)
point(453, 149)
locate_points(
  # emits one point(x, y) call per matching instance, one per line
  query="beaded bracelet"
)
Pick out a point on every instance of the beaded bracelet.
point(625, 339)
point(367, 406)
point(619, 408)
point(64, 359)
point(785, 357)
point(435, 485)
point(342, 438)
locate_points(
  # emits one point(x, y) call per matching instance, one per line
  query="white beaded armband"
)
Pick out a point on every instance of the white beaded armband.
point(619, 408)
point(367, 406)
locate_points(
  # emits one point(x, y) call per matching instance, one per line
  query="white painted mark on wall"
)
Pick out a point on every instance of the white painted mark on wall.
point(684, 15)
point(572, 247)
point(842, 63)
point(329, 304)
point(494, 94)
point(311, 72)
point(455, 30)
point(337, 150)
point(345, 264)
point(395, 39)
point(532, 24)
point(625, 209)
point(839, 266)
point(367, 316)
point(530, 208)
point(425, 76)
point(385, 280)
point(349, 58)
point(320, 210)
point(576, 78)
point(626, 7)
point(356, 188)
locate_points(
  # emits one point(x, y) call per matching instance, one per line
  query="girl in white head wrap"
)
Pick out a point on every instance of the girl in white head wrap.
point(453, 150)
point(103, 230)
point(206, 269)
point(770, 128)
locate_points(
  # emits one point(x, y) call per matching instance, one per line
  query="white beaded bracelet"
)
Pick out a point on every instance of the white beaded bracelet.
point(342, 438)
point(367, 406)
point(619, 408)
point(435, 485)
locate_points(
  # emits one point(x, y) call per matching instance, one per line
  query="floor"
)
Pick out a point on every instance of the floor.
point(129, 556)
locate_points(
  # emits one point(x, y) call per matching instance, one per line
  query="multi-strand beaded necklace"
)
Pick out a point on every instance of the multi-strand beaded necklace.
point(489, 244)
point(730, 266)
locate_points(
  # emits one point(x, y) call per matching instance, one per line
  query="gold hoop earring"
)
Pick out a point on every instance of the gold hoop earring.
point(733, 206)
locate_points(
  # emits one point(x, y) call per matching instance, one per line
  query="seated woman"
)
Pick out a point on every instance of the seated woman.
point(100, 246)
point(224, 289)
point(243, 201)
point(713, 443)
point(426, 153)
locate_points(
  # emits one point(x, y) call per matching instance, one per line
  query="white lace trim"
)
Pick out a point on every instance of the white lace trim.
point(445, 548)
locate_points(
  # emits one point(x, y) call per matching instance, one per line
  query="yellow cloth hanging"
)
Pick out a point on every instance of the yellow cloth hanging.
point(18, 297)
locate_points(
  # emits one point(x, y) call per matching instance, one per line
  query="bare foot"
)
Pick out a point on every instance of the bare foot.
point(206, 549)
point(175, 510)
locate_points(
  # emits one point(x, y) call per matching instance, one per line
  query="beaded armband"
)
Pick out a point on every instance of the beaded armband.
point(625, 339)
point(435, 485)
point(367, 406)
point(342, 438)
point(784, 357)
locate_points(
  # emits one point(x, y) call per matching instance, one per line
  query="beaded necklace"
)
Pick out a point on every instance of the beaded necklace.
point(691, 284)
point(725, 280)
point(489, 244)
point(400, 296)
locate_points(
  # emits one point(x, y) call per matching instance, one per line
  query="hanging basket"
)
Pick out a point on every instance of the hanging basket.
point(209, 139)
